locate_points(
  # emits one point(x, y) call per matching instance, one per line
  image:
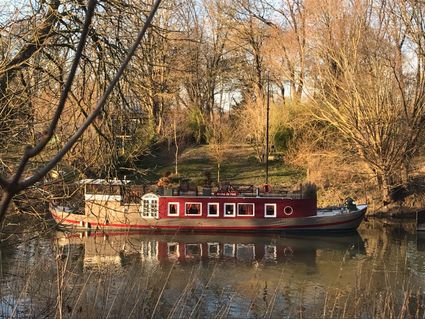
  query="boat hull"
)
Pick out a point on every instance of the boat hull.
point(337, 220)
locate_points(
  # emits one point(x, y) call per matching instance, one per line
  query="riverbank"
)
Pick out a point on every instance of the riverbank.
point(240, 166)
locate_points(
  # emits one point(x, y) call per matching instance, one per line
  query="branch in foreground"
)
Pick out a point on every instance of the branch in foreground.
point(15, 186)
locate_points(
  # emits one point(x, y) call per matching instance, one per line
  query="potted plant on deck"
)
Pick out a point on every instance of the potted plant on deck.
point(169, 184)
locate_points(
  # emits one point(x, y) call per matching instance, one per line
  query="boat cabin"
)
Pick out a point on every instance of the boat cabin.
point(101, 189)
point(239, 202)
point(118, 205)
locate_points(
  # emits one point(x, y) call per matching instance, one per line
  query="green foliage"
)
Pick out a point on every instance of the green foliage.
point(240, 166)
point(132, 147)
point(197, 125)
point(282, 138)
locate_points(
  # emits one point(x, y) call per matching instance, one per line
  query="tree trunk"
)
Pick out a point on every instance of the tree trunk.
point(384, 186)
point(405, 174)
point(386, 191)
point(176, 171)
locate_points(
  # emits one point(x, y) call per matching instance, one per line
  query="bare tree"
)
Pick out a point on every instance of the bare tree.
point(248, 38)
point(252, 127)
point(18, 181)
point(220, 136)
point(176, 131)
point(207, 62)
point(363, 92)
point(287, 45)
point(23, 36)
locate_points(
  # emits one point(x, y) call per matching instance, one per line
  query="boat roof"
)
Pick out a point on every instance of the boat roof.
point(100, 181)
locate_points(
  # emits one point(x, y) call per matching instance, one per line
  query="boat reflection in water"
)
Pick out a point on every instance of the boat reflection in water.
point(420, 240)
point(209, 274)
point(115, 248)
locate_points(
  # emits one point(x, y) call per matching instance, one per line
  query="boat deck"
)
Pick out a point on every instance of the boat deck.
point(335, 211)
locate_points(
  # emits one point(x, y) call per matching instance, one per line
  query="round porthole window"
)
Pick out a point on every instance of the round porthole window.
point(288, 210)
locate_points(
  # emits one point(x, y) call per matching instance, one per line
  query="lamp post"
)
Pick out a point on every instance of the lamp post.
point(267, 128)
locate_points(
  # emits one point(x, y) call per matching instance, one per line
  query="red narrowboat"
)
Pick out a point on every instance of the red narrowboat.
point(114, 205)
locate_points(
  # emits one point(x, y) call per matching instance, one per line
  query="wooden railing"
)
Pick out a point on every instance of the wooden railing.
point(134, 193)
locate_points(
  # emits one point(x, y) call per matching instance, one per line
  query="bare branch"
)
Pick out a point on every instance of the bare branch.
point(78, 54)
point(31, 152)
point(40, 36)
point(43, 171)
point(13, 187)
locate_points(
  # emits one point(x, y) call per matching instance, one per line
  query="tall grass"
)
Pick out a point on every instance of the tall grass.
point(46, 279)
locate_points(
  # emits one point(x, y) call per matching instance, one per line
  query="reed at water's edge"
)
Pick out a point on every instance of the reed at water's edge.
point(48, 278)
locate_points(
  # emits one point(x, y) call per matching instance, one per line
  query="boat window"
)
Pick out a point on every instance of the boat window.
point(154, 208)
point(213, 209)
point(270, 210)
point(146, 208)
point(245, 209)
point(288, 210)
point(193, 209)
point(229, 210)
point(173, 209)
point(149, 207)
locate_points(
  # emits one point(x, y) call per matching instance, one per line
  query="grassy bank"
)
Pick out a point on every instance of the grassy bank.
point(335, 181)
point(239, 167)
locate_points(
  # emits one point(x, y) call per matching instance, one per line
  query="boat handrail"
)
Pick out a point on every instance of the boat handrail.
point(101, 181)
point(133, 193)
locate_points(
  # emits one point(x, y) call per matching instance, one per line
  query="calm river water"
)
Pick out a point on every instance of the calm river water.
point(377, 272)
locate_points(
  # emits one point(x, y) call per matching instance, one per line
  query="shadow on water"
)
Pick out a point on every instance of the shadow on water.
point(420, 241)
